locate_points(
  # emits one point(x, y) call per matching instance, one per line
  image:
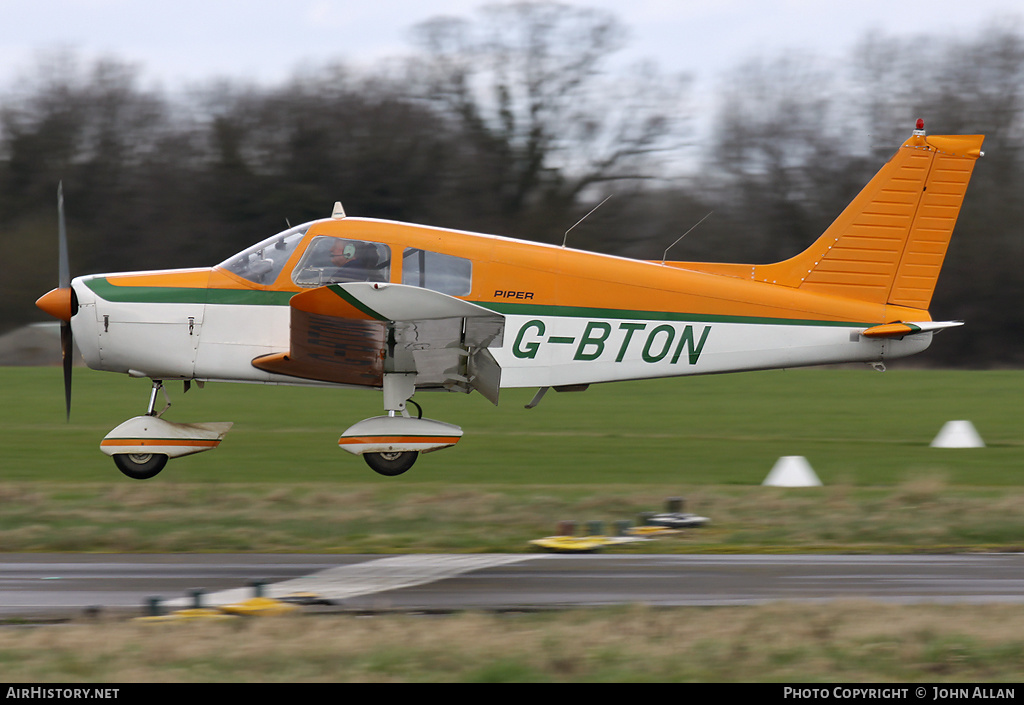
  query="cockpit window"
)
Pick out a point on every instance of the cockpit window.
point(332, 260)
point(262, 263)
point(433, 270)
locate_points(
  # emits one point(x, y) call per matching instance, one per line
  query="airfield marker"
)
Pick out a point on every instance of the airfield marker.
point(792, 471)
point(958, 434)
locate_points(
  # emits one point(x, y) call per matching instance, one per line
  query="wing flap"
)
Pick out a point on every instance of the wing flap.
point(355, 333)
point(331, 349)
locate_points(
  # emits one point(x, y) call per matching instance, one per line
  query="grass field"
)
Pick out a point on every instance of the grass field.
point(787, 644)
point(280, 483)
point(855, 426)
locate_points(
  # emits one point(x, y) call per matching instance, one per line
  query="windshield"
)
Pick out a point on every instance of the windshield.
point(262, 262)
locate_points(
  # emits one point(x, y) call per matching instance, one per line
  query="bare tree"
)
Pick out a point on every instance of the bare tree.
point(531, 88)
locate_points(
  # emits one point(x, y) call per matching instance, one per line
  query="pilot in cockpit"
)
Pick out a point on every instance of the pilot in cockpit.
point(336, 260)
point(354, 261)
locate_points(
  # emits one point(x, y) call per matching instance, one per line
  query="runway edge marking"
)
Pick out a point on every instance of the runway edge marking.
point(369, 577)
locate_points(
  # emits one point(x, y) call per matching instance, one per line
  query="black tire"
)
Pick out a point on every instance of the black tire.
point(391, 464)
point(140, 466)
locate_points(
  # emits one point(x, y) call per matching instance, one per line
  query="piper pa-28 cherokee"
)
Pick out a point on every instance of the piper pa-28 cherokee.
point(354, 302)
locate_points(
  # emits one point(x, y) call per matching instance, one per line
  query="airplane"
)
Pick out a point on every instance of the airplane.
point(402, 308)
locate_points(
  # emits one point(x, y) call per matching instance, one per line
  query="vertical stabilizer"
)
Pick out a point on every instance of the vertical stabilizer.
point(889, 244)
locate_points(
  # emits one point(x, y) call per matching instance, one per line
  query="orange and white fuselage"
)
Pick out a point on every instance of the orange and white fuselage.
point(585, 318)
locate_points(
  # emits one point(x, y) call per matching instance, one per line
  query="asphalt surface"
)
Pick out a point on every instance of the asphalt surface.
point(55, 586)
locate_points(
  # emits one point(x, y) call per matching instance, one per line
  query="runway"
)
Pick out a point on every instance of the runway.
point(54, 586)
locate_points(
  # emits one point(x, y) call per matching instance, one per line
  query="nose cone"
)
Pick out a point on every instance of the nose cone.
point(58, 303)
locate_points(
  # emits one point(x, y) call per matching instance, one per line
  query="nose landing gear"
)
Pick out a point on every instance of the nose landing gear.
point(140, 466)
point(142, 445)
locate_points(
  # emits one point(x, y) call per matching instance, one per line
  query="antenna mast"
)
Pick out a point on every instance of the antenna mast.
point(665, 256)
point(566, 236)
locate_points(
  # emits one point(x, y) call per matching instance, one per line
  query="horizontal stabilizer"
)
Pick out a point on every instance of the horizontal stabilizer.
point(901, 329)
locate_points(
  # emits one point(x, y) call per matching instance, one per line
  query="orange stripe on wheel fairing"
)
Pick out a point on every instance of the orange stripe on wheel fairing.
point(117, 442)
point(357, 440)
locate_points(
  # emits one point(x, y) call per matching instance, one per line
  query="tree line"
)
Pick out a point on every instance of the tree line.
point(517, 121)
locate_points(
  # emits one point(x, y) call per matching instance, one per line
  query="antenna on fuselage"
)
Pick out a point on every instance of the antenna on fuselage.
point(566, 236)
point(665, 256)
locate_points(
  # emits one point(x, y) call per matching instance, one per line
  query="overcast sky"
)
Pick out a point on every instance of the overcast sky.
point(186, 41)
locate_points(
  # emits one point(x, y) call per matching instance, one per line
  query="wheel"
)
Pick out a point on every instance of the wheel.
point(140, 466)
point(391, 464)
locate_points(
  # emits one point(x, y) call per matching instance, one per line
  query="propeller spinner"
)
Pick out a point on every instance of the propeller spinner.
point(60, 302)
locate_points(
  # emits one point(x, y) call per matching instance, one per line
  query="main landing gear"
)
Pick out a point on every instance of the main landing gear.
point(391, 444)
point(142, 445)
point(391, 464)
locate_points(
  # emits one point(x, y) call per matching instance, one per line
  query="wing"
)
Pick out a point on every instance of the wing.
point(355, 333)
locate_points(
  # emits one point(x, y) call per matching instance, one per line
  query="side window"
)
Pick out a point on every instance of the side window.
point(335, 260)
point(432, 270)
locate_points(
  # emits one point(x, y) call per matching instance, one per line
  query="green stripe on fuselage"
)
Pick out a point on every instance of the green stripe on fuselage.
point(256, 297)
point(187, 295)
point(533, 309)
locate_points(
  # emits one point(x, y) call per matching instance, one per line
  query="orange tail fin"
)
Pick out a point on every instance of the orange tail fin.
point(889, 244)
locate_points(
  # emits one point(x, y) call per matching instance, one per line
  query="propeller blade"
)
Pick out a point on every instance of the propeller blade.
point(64, 268)
point(66, 351)
point(64, 282)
